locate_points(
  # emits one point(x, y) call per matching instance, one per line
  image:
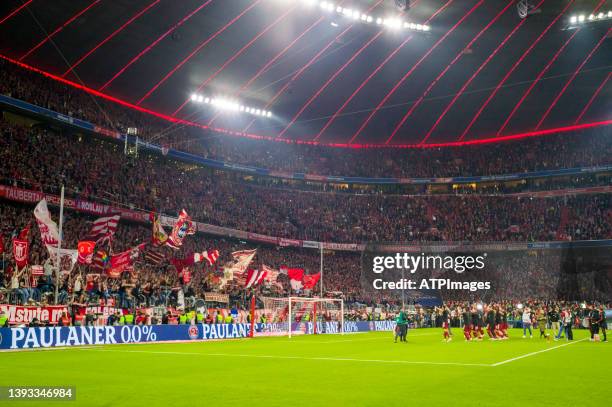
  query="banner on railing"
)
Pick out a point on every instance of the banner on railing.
point(18, 314)
point(216, 297)
point(48, 337)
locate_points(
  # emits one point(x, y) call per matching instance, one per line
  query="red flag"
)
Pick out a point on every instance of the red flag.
point(309, 281)
point(119, 262)
point(254, 277)
point(21, 247)
point(182, 228)
point(295, 274)
point(295, 278)
point(124, 260)
point(210, 256)
point(180, 264)
point(86, 250)
point(21, 252)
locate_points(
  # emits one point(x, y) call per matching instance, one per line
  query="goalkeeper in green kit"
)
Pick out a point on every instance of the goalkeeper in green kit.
point(401, 329)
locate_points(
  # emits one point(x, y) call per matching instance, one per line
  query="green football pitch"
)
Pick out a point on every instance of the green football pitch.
point(325, 370)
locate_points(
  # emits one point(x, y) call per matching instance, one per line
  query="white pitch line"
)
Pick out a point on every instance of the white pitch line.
point(535, 353)
point(407, 362)
point(44, 349)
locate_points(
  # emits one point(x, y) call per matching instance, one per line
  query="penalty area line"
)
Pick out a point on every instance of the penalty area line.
point(503, 362)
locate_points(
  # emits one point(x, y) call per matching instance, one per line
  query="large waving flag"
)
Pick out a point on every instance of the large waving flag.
point(295, 277)
point(124, 260)
point(210, 256)
point(48, 228)
point(255, 277)
point(160, 237)
point(182, 228)
point(104, 228)
point(271, 276)
point(242, 259)
point(310, 280)
point(236, 269)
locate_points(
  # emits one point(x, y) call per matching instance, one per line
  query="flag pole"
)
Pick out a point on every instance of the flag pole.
point(321, 271)
point(58, 260)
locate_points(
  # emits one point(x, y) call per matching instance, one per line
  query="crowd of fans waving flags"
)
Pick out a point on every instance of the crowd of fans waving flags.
point(95, 252)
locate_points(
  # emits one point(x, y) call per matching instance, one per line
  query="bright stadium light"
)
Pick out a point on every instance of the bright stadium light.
point(227, 104)
point(581, 19)
point(393, 23)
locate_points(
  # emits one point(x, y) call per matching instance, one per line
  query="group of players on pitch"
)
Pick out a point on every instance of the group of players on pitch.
point(494, 319)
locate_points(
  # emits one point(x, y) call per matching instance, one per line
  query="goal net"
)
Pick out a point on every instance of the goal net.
point(301, 316)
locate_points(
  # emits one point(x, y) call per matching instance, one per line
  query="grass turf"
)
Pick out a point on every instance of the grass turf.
point(325, 370)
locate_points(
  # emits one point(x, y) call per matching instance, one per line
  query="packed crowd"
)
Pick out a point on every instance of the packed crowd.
point(586, 148)
point(98, 170)
point(543, 274)
point(154, 283)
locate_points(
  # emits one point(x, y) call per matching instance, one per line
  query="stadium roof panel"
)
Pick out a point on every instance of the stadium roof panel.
point(326, 81)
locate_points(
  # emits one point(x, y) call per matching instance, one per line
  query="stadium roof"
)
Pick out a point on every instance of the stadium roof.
point(480, 72)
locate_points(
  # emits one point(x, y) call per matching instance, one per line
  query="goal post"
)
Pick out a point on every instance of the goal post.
point(301, 316)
